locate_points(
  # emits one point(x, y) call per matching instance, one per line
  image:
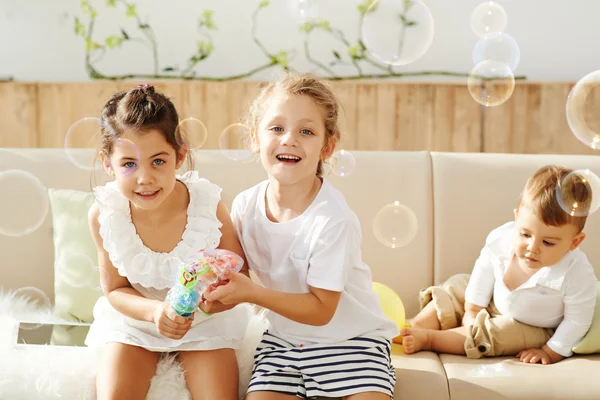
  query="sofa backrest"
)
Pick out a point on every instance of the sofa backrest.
point(379, 178)
point(475, 193)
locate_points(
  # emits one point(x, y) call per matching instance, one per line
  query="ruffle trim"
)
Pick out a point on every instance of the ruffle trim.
point(132, 258)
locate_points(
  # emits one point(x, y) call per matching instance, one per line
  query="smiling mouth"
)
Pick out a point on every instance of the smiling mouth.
point(147, 194)
point(288, 158)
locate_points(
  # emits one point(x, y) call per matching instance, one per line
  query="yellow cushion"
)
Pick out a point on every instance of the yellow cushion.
point(591, 341)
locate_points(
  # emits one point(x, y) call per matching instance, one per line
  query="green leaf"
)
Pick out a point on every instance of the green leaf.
point(324, 24)
point(111, 3)
point(357, 51)
point(306, 27)
point(206, 20)
point(143, 26)
point(411, 23)
point(281, 58)
point(131, 10)
point(408, 4)
point(264, 4)
point(91, 45)
point(337, 55)
point(169, 69)
point(113, 41)
point(79, 28)
point(367, 6)
point(124, 34)
point(85, 7)
point(205, 48)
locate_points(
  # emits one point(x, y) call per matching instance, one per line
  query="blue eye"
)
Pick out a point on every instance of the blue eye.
point(158, 161)
point(306, 132)
point(277, 129)
point(129, 164)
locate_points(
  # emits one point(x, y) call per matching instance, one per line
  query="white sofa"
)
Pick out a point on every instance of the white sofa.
point(457, 198)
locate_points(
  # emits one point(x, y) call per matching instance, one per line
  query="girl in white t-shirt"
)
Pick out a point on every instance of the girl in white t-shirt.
point(328, 335)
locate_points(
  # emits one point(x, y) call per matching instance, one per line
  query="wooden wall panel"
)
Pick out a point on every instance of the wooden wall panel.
point(18, 115)
point(374, 115)
point(532, 121)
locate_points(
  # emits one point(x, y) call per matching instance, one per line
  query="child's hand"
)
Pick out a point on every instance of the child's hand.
point(212, 307)
point(169, 323)
point(545, 355)
point(238, 289)
point(534, 356)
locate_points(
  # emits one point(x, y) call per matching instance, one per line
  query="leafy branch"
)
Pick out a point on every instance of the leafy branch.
point(354, 53)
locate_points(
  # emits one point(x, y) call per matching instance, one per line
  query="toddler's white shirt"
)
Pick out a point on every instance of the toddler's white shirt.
point(561, 296)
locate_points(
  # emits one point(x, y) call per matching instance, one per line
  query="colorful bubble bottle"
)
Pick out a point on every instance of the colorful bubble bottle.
point(197, 273)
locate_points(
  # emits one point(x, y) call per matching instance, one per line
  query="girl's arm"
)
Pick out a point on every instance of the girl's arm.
point(229, 241)
point(117, 288)
point(316, 307)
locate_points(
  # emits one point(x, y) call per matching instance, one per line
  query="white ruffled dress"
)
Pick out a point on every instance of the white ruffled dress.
point(153, 273)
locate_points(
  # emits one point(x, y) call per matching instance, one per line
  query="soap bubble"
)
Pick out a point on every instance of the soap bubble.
point(583, 110)
point(395, 225)
point(397, 32)
point(488, 17)
point(573, 193)
point(191, 133)
point(343, 163)
point(497, 46)
point(25, 190)
point(233, 142)
point(491, 83)
point(82, 136)
point(303, 11)
point(78, 270)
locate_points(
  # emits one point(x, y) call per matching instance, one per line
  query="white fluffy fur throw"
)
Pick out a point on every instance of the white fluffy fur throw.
point(60, 372)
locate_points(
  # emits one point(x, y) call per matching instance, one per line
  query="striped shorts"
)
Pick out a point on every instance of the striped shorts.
point(361, 364)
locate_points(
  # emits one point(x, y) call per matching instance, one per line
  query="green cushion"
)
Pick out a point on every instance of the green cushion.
point(591, 341)
point(76, 278)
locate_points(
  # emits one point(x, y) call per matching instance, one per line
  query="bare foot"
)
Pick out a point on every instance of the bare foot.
point(415, 340)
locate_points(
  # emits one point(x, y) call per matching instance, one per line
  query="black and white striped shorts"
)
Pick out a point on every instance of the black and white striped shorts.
point(361, 364)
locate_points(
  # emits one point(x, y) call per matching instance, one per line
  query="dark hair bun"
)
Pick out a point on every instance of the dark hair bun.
point(147, 88)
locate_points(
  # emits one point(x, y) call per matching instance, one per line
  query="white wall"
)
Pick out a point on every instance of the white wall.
point(559, 39)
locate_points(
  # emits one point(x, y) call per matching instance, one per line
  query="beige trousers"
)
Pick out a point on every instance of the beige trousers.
point(492, 334)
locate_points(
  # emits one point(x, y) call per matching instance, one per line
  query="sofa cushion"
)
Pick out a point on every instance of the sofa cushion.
point(419, 376)
point(591, 341)
point(76, 278)
point(504, 378)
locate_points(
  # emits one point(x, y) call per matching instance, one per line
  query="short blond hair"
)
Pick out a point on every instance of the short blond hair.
point(545, 194)
point(301, 84)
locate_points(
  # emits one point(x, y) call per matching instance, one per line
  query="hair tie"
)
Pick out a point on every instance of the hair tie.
point(146, 87)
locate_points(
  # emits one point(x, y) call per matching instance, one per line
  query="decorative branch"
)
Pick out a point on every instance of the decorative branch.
point(356, 53)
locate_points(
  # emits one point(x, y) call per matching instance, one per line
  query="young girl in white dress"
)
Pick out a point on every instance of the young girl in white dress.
point(144, 223)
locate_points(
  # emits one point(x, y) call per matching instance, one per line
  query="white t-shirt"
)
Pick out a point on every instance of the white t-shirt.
point(561, 296)
point(320, 248)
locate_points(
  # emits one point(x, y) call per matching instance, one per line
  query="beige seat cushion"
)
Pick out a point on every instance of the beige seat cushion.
point(419, 376)
point(575, 378)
